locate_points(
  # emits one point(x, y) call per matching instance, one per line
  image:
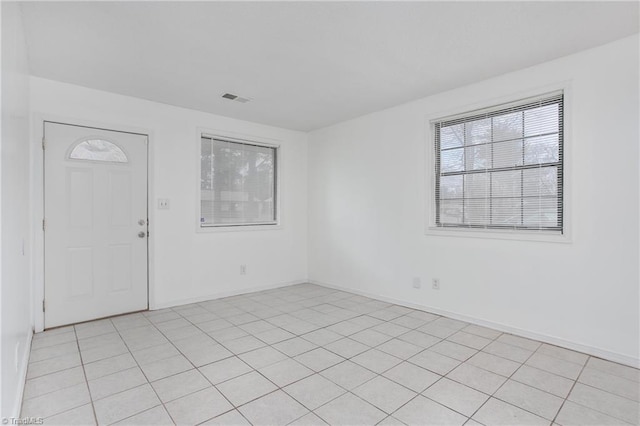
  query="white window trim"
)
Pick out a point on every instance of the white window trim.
point(238, 137)
point(431, 229)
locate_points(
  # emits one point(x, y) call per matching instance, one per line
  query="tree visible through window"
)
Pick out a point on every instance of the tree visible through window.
point(237, 183)
point(501, 168)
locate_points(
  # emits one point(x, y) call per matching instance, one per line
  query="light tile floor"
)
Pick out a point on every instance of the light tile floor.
point(309, 355)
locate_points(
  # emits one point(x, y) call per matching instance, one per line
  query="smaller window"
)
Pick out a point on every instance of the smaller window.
point(238, 183)
point(98, 150)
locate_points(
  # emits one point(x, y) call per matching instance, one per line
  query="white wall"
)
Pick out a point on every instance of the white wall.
point(367, 213)
point(16, 322)
point(186, 265)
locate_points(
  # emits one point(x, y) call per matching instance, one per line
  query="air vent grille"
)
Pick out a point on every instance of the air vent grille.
point(236, 98)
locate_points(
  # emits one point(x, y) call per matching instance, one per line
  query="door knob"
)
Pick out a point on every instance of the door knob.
point(142, 222)
point(141, 234)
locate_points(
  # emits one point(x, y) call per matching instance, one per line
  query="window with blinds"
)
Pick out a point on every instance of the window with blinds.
point(501, 168)
point(237, 183)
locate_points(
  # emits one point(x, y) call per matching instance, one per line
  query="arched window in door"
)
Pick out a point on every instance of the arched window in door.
point(98, 150)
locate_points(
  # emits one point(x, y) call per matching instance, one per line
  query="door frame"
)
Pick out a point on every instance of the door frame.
point(37, 203)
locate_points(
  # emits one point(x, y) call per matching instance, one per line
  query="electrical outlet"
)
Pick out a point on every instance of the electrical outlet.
point(416, 282)
point(243, 269)
point(435, 284)
point(163, 204)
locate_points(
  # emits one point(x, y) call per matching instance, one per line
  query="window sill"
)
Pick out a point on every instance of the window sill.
point(498, 234)
point(238, 228)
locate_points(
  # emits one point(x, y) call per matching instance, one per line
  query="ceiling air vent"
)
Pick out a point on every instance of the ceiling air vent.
point(236, 98)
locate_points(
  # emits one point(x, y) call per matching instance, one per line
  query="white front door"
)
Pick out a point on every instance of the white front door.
point(95, 190)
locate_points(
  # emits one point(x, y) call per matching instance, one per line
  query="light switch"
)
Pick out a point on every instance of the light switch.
point(163, 204)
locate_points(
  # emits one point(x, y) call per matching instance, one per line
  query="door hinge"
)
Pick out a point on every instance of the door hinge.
point(43, 144)
point(43, 224)
point(42, 305)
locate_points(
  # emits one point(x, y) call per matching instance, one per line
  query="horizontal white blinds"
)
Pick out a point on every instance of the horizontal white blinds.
point(501, 168)
point(237, 183)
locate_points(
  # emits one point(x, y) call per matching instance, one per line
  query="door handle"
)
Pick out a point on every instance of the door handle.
point(141, 234)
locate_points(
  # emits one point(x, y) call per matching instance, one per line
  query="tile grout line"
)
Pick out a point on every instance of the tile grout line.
point(605, 391)
point(332, 317)
point(145, 376)
point(86, 381)
point(179, 339)
point(318, 346)
point(569, 393)
point(441, 377)
point(592, 387)
point(234, 408)
point(376, 375)
point(322, 346)
point(506, 402)
point(278, 388)
point(314, 371)
point(414, 328)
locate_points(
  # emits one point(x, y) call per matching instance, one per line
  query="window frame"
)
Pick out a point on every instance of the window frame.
point(241, 139)
point(431, 227)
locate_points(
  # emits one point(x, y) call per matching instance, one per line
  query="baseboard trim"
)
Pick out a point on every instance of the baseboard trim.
point(222, 294)
point(23, 375)
point(556, 341)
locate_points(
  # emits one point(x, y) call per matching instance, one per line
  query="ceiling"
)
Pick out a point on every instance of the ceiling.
point(305, 65)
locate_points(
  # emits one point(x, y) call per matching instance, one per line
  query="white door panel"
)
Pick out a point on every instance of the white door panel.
point(96, 223)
